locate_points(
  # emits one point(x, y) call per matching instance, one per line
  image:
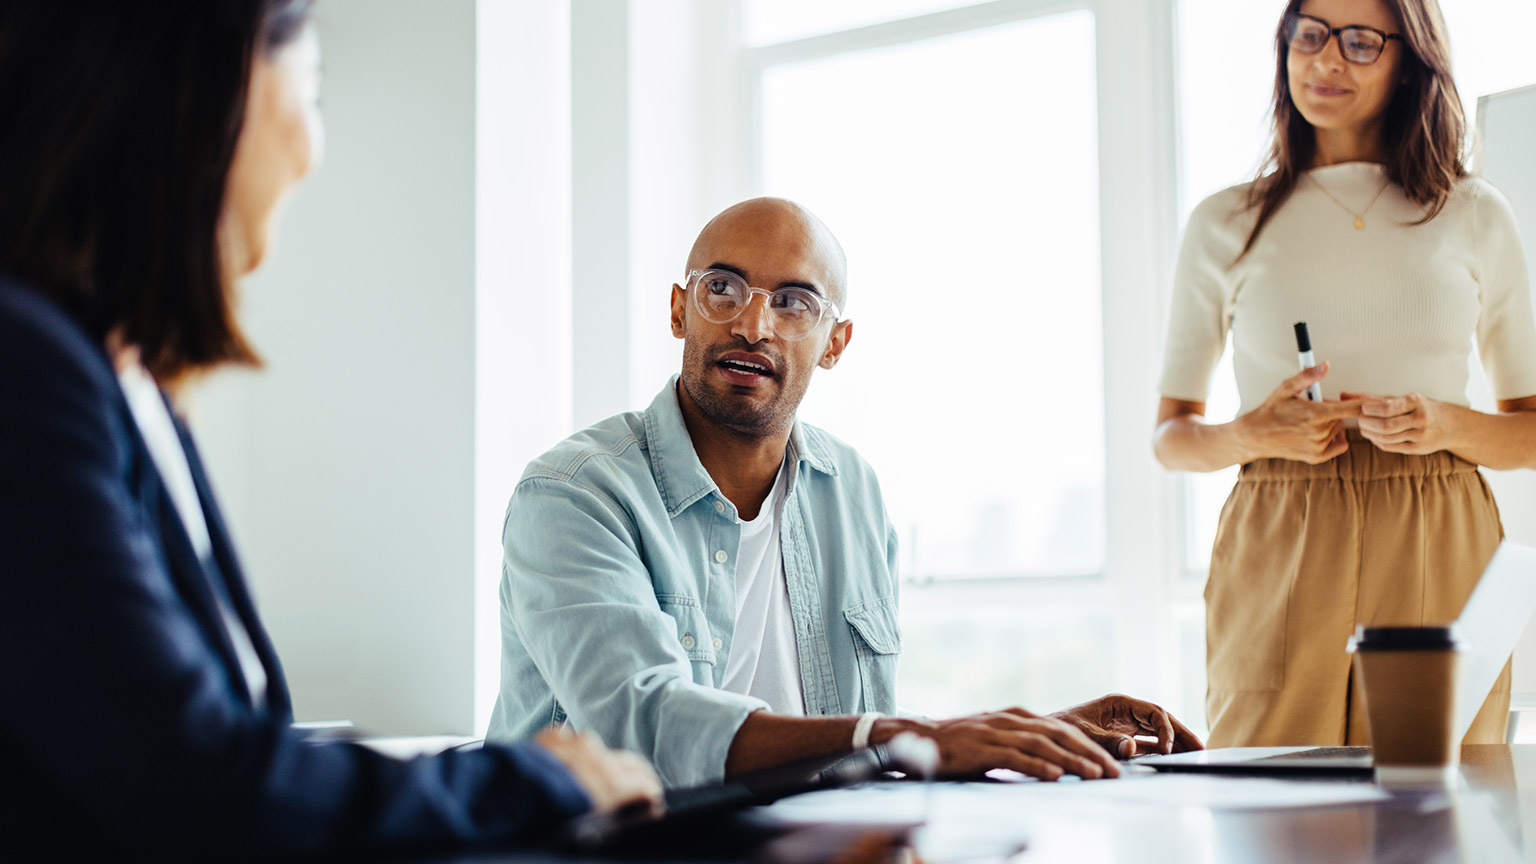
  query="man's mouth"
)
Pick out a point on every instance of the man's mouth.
point(749, 368)
point(745, 370)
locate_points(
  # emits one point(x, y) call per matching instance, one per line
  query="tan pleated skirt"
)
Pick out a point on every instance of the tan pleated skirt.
point(1305, 552)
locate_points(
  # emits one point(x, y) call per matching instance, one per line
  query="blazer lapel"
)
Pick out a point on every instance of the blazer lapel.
point(186, 570)
point(233, 577)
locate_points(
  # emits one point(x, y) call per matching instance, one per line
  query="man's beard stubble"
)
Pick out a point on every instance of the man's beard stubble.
point(732, 412)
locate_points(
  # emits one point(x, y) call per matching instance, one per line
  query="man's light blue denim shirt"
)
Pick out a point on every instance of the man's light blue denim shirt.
point(618, 591)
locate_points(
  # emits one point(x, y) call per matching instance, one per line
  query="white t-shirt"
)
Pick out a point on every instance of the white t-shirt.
point(764, 660)
point(1395, 308)
point(159, 432)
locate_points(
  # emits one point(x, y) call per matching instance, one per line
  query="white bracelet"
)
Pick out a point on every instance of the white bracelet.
point(862, 729)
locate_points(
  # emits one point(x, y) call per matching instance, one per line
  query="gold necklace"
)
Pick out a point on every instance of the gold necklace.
point(1359, 217)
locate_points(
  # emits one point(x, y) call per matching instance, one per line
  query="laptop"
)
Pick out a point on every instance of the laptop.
point(1491, 623)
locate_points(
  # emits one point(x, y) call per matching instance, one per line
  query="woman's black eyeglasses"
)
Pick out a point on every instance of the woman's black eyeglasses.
point(1359, 44)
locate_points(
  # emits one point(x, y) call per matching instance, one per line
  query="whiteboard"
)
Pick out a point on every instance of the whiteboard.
point(1506, 130)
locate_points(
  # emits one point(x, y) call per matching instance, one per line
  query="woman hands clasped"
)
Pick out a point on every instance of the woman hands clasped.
point(1405, 424)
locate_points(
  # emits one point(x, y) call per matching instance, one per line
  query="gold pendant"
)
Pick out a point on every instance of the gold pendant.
point(1359, 223)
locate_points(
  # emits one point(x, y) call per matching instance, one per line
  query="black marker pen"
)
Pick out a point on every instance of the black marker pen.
point(1304, 356)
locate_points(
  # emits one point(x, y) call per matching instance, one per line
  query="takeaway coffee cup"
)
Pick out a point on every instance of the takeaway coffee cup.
point(1408, 675)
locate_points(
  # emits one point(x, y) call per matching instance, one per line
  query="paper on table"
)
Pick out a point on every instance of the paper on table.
point(902, 803)
point(1229, 793)
point(1495, 616)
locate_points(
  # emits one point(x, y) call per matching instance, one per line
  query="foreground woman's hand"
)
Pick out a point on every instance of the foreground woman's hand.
point(1116, 723)
point(612, 778)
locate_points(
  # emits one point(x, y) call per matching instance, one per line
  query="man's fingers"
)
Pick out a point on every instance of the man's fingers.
point(1076, 740)
point(1124, 746)
point(1044, 747)
point(1164, 732)
point(1013, 760)
point(1183, 739)
point(1057, 742)
point(1154, 719)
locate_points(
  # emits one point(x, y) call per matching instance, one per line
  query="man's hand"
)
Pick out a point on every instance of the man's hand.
point(1015, 739)
point(1115, 722)
point(612, 778)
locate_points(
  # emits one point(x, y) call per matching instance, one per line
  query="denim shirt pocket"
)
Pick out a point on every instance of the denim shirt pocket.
point(692, 628)
point(877, 642)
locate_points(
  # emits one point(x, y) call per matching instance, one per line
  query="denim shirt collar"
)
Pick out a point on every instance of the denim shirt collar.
point(681, 477)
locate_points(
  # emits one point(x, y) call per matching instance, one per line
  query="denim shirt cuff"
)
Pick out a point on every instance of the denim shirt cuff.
point(692, 745)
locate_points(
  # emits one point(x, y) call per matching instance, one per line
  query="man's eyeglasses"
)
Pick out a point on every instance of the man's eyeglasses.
point(1360, 45)
point(794, 313)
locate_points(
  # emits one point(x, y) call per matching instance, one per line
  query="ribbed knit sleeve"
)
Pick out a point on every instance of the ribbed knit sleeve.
point(1506, 331)
point(1200, 309)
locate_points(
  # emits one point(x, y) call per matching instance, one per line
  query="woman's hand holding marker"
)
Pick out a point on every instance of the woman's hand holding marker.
point(1289, 426)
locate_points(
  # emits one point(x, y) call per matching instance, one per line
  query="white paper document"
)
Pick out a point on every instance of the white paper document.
point(1500, 608)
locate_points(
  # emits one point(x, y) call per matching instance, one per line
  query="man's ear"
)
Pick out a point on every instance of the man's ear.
point(679, 311)
point(837, 343)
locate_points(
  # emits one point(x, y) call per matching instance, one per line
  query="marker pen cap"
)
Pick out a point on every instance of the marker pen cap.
point(1303, 339)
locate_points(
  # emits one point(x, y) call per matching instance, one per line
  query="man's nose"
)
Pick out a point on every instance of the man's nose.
point(755, 323)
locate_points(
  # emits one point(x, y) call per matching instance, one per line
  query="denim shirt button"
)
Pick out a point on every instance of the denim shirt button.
point(720, 556)
point(719, 506)
point(718, 643)
point(688, 642)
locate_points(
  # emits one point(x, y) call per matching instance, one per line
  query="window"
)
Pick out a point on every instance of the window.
point(782, 20)
point(957, 155)
point(968, 205)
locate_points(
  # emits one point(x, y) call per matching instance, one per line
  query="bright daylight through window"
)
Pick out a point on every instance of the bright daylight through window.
point(968, 205)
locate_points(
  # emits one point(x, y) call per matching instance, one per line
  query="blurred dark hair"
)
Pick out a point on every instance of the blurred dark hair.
point(118, 123)
point(1425, 125)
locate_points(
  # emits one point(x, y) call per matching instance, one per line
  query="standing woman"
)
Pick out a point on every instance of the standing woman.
point(144, 150)
point(1367, 506)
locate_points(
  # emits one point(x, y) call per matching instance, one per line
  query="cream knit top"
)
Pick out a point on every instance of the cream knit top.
point(1394, 308)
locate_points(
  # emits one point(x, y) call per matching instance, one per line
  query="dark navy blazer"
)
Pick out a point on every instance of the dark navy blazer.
point(124, 721)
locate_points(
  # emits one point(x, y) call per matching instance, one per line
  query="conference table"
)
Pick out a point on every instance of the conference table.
point(1145, 818)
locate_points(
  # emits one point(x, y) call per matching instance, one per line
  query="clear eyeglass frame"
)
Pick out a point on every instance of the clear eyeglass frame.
point(787, 327)
point(1358, 44)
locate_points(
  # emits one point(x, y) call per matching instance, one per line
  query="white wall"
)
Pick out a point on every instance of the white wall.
point(524, 302)
point(348, 465)
point(1507, 127)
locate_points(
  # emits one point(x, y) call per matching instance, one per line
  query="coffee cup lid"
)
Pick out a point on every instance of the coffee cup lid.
point(1405, 639)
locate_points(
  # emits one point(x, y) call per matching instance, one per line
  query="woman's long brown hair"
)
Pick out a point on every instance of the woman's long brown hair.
point(1424, 130)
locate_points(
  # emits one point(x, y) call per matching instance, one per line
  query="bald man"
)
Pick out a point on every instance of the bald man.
point(712, 583)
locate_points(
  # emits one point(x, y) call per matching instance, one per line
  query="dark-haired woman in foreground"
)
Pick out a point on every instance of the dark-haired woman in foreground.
point(144, 149)
point(1366, 506)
